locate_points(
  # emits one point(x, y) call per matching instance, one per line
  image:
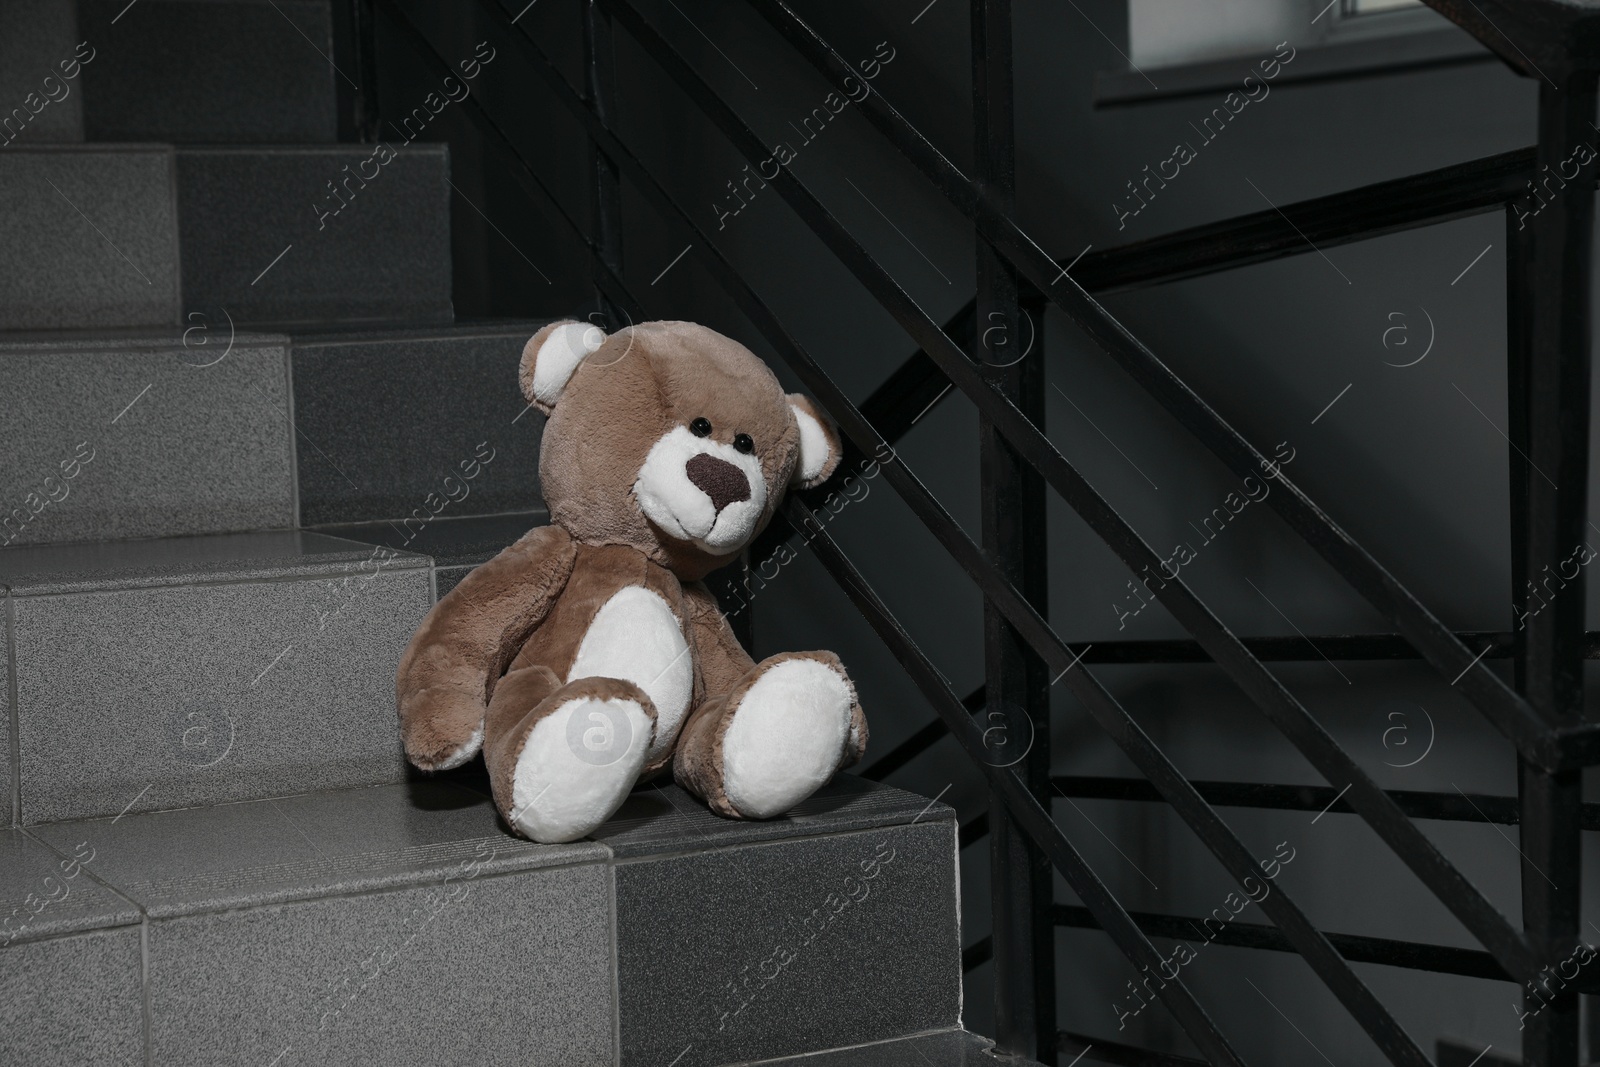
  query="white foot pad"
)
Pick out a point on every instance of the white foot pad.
point(577, 766)
point(786, 737)
point(464, 753)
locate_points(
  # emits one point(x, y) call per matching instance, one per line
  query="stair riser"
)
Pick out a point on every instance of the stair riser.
point(790, 948)
point(196, 694)
point(90, 238)
point(507, 969)
point(180, 72)
point(317, 235)
point(174, 445)
point(415, 429)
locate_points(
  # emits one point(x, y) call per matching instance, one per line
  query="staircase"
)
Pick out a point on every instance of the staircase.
point(246, 445)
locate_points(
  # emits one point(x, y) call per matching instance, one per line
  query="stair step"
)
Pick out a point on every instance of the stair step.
point(394, 413)
point(69, 959)
point(948, 1048)
point(182, 671)
point(266, 236)
point(188, 433)
point(400, 924)
point(456, 545)
point(35, 40)
point(90, 235)
point(252, 72)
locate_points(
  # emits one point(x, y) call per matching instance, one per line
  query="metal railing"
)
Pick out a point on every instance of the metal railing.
point(1541, 714)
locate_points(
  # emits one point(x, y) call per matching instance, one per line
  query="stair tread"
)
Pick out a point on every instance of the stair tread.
point(462, 541)
point(657, 819)
point(252, 853)
point(950, 1048)
point(256, 852)
point(45, 894)
point(104, 566)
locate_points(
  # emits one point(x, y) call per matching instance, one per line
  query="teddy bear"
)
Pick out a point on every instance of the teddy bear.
point(589, 656)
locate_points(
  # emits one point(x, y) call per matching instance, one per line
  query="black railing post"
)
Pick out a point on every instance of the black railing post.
point(1554, 290)
point(600, 90)
point(1018, 703)
point(364, 51)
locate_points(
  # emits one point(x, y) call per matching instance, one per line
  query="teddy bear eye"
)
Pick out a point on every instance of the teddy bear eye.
point(743, 443)
point(700, 427)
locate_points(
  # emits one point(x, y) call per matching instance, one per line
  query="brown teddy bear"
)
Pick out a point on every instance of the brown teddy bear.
point(589, 655)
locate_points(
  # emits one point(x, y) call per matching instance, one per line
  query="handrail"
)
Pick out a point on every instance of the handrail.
point(1028, 813)
point(1551, 749)
point(1413, 848)
point(1505, 708)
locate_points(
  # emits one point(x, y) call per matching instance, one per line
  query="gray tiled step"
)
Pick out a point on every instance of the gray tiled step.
point(950, 1048)
point(90, 237)
point(309, 234)
point(69, 958)
point(456, 545)
point(386, 416)
point(182, 671)
point(38, 48)
point(188, 432)
point(245, 72)
point(402, 925)
point(742, 940)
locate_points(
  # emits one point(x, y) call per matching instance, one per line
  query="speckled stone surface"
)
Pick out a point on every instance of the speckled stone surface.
point(35, 37)
point(152, 694)
point(789, 947)
point(275, 851)
point(951, 1048)
point(395, 414)
point(384, 256)
point(7, 781)
point(239, 73)
point(664, 819)
point(102, 566)
point(45, 892)
point(71, 1001)
point(185, 434)
point(502, 969)
point(456, 546)
point(91, 237)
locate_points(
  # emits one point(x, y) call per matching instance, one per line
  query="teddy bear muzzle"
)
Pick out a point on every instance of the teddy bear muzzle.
point(701, 490)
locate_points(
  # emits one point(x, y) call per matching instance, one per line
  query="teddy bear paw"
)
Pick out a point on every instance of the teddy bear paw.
point(787, 735)
point(580, 755)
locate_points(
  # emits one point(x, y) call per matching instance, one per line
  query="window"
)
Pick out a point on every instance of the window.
point(1182, 47)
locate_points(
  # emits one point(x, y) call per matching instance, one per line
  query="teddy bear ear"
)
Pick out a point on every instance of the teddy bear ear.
point(820, 450)
point(550, 357)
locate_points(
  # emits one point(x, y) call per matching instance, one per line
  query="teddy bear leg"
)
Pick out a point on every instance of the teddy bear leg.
point(772, 741)
point(560, 768)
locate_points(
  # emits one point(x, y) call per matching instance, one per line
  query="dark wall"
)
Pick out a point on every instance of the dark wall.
point(1411, 460)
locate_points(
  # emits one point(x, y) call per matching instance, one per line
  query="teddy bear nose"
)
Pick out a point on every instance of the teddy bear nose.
point(723, 482)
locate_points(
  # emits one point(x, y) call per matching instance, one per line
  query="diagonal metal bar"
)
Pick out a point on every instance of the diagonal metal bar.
point(1506, 709)
point(1034, 820)
point(603, 275)
point(1424, 199)
point(1414, 848)
point(1027, 811)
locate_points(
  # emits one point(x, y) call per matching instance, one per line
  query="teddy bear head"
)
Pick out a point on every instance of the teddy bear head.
point(668, 437)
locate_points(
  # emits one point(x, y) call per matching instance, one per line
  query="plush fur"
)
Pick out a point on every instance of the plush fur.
point(588, 655)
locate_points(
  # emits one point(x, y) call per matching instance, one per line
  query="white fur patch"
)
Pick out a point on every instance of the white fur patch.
point(635, 637)
point(684, 510)
point(814, 447)
point(465, 752)
point(560, 355)
point(557, 794)
point(786, 737)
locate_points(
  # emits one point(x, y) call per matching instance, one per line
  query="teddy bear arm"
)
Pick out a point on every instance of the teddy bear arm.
point(448, 672)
